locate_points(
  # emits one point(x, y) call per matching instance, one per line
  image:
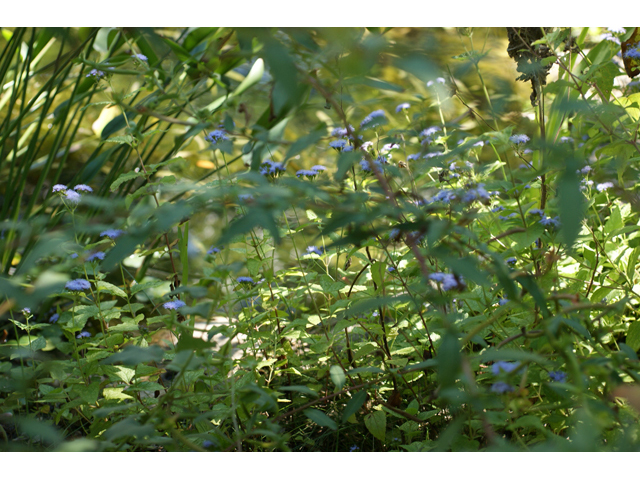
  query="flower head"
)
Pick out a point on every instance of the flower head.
point(547, 221)
point(503, 366)
point(315, 250)
point(431, 83)
point(174, 305)
point(83, 188)
point(318, 168)
point(536, 211)
point(306, 173)
point(503, 301)
point(388, 147)
point(558, 376)
point(413, 156)
point(140, 57)
point(95, 256)
point(448, 281)
point(519, 138)
point(216, 136)
point(402, 106)
point(54, 318)
point(214, 250)
point(72, 196)
point(511, 260)
point(78, 285)
point(83, 335)
point(338, 144)
point(365, 165)
point(354, 448)
point(245, 280)
point(369, 118)
point(428, 132)
point(59, 188)
point(111, 233)
point(633, 52)
point(340, 132)
point(501, 387)
point(601, 187)
point(95, 73)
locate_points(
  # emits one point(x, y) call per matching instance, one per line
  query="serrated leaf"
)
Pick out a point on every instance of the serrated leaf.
point(320, 418)
point(125, 177)
point(122, 139)
point(112, 289)
point(376, 423)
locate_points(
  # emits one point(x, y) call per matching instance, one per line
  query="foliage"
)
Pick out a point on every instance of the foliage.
point(397, 258)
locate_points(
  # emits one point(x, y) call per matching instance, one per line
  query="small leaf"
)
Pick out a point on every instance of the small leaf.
point(376, 423)
point(354, 405)
point(633, 336)
point(316, 416)
point(337, 376)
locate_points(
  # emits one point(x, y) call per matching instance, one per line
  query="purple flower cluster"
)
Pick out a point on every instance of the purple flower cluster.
point(269, 168)
point(448, 281)
point(174, 305)
point(78, 285)
point(371, 117)
point(216, 136)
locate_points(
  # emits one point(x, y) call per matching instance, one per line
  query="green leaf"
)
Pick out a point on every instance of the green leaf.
point(112, 289)
point(122, 139)
point(299, 389)
point(378, 270)
point(376, 423)
point(320, 418)
point(337, 376)
point(449, 359)
point(571, 203)
point(125, 177)
point(253, 77)
point(303, 142)
point(133, 355)
point(633, 336)
point(354, 405)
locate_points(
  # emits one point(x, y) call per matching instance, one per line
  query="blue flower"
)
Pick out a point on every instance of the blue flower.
point(83, 335)
point(354, 448)
point(95, 73)
point(511, 260)
point(369, 118)
point(476, 194)
point(54, 318)
point(394, 235)
point(633, 52)
point(73, 197)
point(315, 250)
point(94, 256)
point(391, 269)
point(402, 106)
point(83, 188)
point(73, 255)
point(174, 305)
point(207, 444)
point(511, 215)
point(26, 311)
point(140, 57)
point(365, 165)
point(604, 186)
point(245, 280)
point(78, 285)
point(428, 132)
point(216, 136)
point(111, 233)
point(348, 148)
point(245, 196)
point(558, 376)
point(214, 250)
point(609, 36)
point(566, 140)
point(339, 132)
point(536, 211)
point(414, 156)
point(448, 280)
point(586, 170)
point(444, 196)
point(497, 209)
point(546, 221)
point(503, 301)
point(501, 387)
point(431, 83)
point(388, 147)
point(306, 173)
point(519, 138)
point(59, 188)
point(318, 168)
point(506, 367)
point(338, 144)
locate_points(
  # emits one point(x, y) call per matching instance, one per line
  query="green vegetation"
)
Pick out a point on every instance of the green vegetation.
point(220, 239)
